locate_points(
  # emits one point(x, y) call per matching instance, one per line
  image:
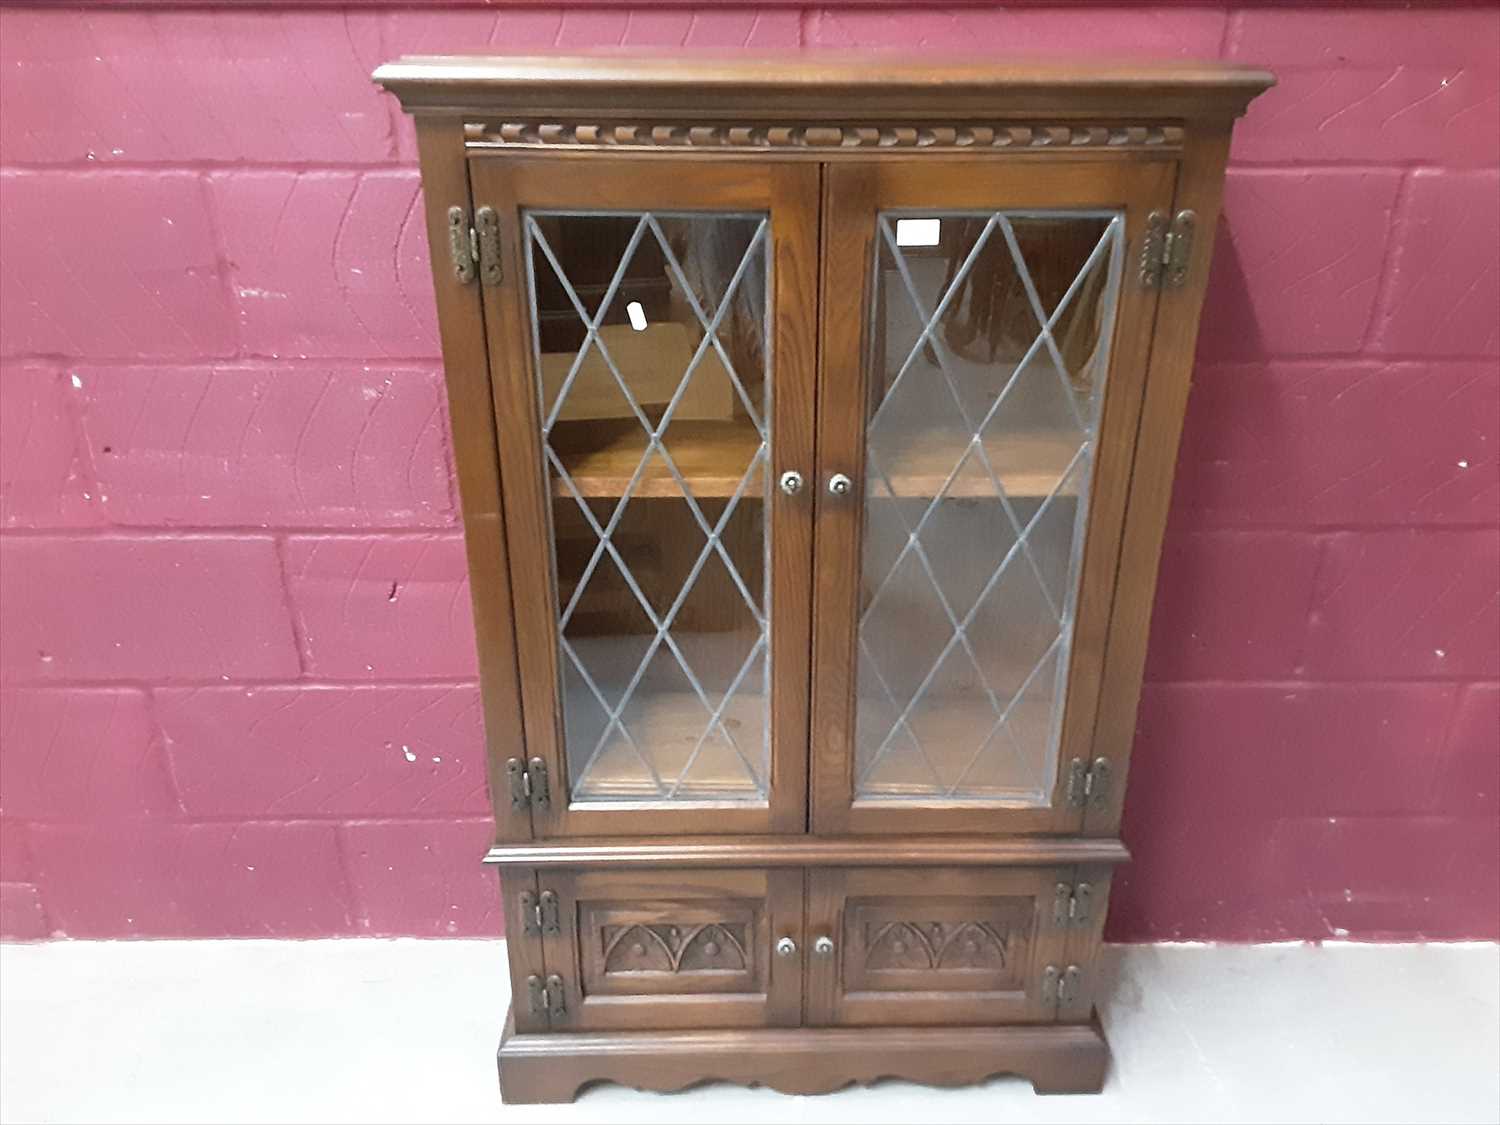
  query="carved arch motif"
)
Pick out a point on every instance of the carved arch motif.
point(934, 945)
point(651, 948)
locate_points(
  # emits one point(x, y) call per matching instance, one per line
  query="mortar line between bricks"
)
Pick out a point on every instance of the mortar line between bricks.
point(257, 361)
point(1375, 527)
point(249, 363)
point(224, 265)
point(358, 910)
point(1366, 359)
point(199, 167)
point(1445, 756)
point(384, 6)
point(1227, 36)
point(1252, 164)
point(240, 361)
point(453, 531)
point(1395, 247)
point(1278, 683)
point(388, 683)
point(157, 532)
point(336, 819)
point(446, 683)
point(251, 167)
point(289, 605)
point(165, 759)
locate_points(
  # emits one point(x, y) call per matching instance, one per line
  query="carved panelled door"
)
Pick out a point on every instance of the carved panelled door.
point(677, 948)
point(984, 348)
point(956, 946)
point(652, 343)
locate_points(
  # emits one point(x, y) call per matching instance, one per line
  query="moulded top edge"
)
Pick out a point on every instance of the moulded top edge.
point(810, 76)
point(797, 851)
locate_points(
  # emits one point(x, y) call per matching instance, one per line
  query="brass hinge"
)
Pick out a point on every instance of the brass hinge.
point(458, 245)
point(536, 995)
point(540, 915)
point(487, 235)
point(1088, 785)
point(1061, 986)
point(1071, 905)
point(531, 914)
point(1070, 987)
point(548, 914)
point(528, 783)
point(1050, 977)
point(1167, 249)
point(475, 246)
point(546, 997)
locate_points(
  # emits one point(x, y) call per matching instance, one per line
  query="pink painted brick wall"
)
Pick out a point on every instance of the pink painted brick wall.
point(236, 655)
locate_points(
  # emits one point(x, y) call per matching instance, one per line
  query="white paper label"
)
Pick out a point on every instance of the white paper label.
point(918, 232)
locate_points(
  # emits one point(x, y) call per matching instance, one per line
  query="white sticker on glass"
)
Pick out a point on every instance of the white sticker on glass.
point(637, 316)
point(918, 232)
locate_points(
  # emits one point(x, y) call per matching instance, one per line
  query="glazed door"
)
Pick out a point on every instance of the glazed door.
point(652, 342)
point(984, 348)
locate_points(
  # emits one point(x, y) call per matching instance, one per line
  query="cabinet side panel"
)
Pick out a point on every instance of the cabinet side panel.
point(445, 184)
point(1200, 187)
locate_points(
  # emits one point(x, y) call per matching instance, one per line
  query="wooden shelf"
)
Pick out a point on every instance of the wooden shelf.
point(601, 458)
point(711, 456)
point(1028, 467)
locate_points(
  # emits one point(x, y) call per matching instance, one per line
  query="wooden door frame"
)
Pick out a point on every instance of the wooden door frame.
point(466, 371)
point(854, 194)
point(788, 192)
point(1200, 188)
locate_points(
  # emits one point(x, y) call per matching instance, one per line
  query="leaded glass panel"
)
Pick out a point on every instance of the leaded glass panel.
point(989, 338)
point(650, 344)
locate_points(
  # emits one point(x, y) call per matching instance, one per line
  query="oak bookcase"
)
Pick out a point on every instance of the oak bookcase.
point(815, 419)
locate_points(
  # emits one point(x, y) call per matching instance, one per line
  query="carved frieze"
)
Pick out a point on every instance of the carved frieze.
point(958, 136)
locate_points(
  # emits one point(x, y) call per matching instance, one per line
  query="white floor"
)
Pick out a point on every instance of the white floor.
point(369, 1031)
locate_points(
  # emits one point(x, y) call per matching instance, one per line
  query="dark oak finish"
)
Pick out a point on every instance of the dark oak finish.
point(817, 938)
point(1056, 1059)
point(872, 86)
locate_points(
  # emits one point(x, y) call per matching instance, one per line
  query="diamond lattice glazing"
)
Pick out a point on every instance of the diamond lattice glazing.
point(989, 356)
point(649, 337)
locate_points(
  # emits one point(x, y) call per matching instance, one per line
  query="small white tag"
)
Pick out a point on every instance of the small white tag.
point(918, 232)
point(637, 316)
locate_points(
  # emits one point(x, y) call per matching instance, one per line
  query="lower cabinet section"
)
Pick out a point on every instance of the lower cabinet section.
point(670, 948)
